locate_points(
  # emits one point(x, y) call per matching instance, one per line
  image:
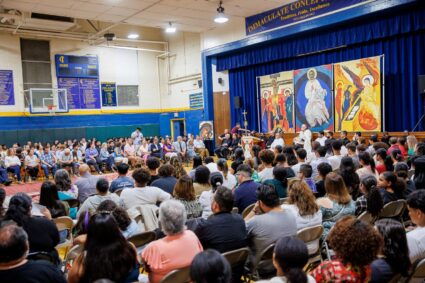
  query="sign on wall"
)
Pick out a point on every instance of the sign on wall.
point(81, 93)
point(71, 66)
point(109, 94)
point(7, 95)
point(196, 101)
point(296, 12)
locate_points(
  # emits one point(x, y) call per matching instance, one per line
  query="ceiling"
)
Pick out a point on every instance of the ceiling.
point(187, 15)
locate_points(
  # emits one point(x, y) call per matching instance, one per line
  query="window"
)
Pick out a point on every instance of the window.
point(36, 65)
point(128, 95)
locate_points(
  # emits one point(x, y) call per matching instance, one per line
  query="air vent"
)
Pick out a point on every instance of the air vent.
point(51, 18)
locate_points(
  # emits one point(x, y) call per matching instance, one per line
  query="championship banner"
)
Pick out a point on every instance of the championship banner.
point(358, 95)
point(277, 102)
point(313, 98)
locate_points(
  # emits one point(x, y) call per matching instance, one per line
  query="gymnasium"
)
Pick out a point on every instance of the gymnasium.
point(212, 141)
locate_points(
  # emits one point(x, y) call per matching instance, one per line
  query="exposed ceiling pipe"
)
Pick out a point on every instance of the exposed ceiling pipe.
point(102, 31)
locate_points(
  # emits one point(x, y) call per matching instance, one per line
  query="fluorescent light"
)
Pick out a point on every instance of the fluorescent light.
point(133, 36)
point(170, 28)
point(221, 17)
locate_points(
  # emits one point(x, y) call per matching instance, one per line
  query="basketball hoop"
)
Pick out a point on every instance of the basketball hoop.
point(51, 109)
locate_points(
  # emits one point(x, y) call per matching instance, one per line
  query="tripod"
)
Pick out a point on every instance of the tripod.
point(417, 124)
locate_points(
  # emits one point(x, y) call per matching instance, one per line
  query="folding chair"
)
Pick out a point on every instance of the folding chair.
point(312, 235)
point(418, 271)
point(367, 217)
point(247, 210)
point(237, 258)
point(142, 239)
point(73, 202)
point(235, 210)
point(118, 192)
point(72, 255)
point(283, 200)
point(410, 173)
point(42, 256)
point(265, 260)
point(64, 223)
point(181, 275)
point(393, 209)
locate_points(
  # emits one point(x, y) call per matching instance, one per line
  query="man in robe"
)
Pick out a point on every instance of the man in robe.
point(316, 112)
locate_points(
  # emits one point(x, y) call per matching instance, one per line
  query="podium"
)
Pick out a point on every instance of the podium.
point(247, 143)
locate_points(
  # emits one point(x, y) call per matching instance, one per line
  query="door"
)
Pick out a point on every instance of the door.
point(178, 127)
point(221, 113)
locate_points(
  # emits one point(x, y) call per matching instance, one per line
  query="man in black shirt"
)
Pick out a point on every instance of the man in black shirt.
point(223, 231)
point(14, 267)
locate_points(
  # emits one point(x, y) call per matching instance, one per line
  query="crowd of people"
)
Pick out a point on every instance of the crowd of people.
point(253, 201)
point(27, 163)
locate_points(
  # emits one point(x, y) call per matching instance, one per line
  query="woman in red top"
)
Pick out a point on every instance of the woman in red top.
point(356, 244)
point(383, 161)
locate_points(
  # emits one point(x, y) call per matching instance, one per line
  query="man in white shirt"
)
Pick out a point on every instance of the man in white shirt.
point(416, 238)
point(321, 138)
point(200, 148)
point(137, 136)
point(278, 140)
point(335, 159)
point(211, 165)
point(304, 138)
point(180, 147)
point(301, 155)
point(142, 194)
point(267, 158)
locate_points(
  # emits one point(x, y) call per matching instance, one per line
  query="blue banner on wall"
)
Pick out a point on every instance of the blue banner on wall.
point(295, 12)
point(109, 94)
point(81, 93)
point(196, 101)
point(7, 95)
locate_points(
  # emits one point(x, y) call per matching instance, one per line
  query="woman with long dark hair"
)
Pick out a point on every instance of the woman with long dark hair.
point(347, 170)
point(419, 177)
point(368, 166)
point(43, 236)
point(289, 258)
point(383, 161)
point(391, 187)
point(291, 159)
point(107, 254)
point(371, 200)
point(197, 161)
point(401, 169)
point(395, 253)
point(210, 267)
point(396, 156)
point(50, 199)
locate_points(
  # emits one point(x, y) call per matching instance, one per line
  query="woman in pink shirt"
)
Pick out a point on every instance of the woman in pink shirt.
point(177, 249)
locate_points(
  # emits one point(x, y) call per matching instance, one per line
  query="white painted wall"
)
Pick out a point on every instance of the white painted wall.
point(157, 92)
point(224, 76)
point(231, 31)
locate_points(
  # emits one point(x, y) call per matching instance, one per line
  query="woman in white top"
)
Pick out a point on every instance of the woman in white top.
point(216, 180)
point(368, 166)
point(278, 140)
point(229, 180)
point(302, 203)
point(32, 164)
point(13, 164)
point(143, 150)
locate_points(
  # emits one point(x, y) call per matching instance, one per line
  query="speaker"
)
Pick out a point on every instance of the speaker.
point(237, 101)
point(200, 83)
point(220, 80)
point(421, 84)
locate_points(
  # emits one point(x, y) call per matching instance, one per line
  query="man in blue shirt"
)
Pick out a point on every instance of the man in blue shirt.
point(246, 193)
point(122, 181)
point(48, 162)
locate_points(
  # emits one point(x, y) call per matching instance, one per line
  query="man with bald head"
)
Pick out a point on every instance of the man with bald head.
point(86, 183)
point(66, 161)
point(14, 266)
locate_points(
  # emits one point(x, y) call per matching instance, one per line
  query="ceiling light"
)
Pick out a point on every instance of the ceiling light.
point(221, 17)
point(133, 36)
point(170, 28)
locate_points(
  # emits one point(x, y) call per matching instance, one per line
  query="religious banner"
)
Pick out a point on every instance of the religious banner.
point(296, 12)
point(358, 95)
point(313, 98)
point(277, 102)
point(7, 94)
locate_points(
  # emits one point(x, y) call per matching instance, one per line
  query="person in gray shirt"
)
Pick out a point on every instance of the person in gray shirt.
point(268, 222)
point(86, 183)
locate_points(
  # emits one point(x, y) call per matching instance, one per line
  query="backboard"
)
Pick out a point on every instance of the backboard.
point(48, 101)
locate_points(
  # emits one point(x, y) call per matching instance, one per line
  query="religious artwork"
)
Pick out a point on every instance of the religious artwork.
point(277, 102)
point(358, 95)
point(206, 129)
point(313, 98)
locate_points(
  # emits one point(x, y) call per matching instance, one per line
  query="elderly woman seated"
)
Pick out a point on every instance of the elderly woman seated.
point(177, 249)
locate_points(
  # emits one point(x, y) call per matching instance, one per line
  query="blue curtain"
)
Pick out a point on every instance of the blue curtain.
point(401, 39)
